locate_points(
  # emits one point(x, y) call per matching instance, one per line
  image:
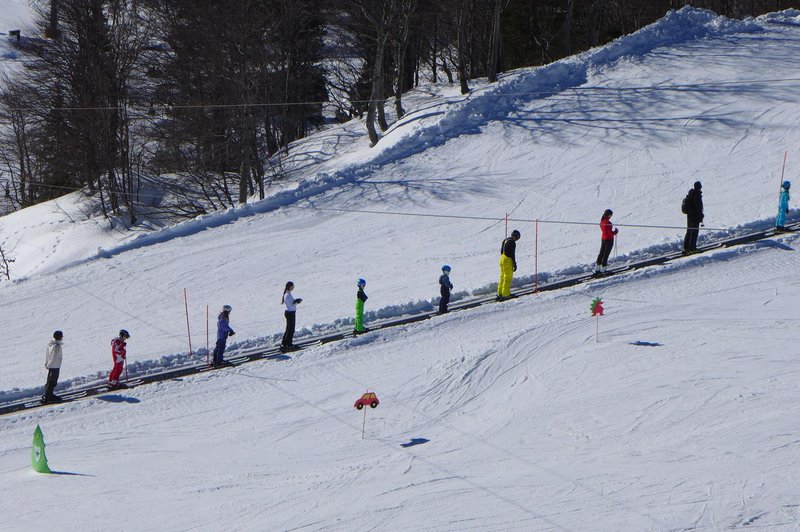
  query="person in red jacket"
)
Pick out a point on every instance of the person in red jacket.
point(118, 353)
point(607, 233)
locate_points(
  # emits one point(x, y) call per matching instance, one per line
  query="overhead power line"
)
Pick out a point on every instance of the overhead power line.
point(446, 99)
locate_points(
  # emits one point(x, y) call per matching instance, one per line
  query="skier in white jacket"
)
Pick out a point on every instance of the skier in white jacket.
point(52, 362)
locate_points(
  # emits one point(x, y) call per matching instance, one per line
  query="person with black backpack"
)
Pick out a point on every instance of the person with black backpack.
point(692, 207)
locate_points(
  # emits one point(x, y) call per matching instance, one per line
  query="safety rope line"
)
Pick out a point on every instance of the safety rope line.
point(497, 219)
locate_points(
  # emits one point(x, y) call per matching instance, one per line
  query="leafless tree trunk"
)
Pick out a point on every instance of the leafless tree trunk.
point(407, 9)
point(594, 22)
point(494, 50)
point(379, 15)
point(52, 29)
point(568, 28)
point(376, 95)
point(464, 13)
point(434, 44)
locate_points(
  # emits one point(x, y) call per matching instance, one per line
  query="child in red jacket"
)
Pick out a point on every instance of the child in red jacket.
point(118, 353)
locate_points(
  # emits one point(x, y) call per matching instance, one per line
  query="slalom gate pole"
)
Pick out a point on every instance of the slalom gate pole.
point(364, 423)
point(207, 361)
point(536, 259)
point(188, 333)
point(506, 225)
point(783, 169)
point(597, 329)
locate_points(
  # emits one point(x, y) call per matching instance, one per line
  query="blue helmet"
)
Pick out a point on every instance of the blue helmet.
point(786, 185)
point(446, 268)
point(362, 283)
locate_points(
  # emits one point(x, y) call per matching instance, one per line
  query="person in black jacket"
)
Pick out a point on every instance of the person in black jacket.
point(693, 207)
point(508, 265)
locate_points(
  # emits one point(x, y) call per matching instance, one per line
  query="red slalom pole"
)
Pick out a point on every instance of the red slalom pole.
point(188, 332)
point(207, 361)
point(536, 259)
point(783, 169)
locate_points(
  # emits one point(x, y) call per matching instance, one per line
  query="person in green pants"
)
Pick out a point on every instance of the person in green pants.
point(508, 265)
point(361, 298)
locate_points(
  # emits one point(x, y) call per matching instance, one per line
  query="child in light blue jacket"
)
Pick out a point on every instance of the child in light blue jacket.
point(783, 206)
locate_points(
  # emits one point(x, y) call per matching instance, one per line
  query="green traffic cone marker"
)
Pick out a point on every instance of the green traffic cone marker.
point(38, 458)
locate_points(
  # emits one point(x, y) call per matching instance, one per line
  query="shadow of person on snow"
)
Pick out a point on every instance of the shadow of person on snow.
point(415, 441)
point(118, 399)
point(773, 244)
point(646, 344)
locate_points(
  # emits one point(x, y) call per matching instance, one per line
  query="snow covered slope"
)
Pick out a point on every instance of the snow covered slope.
point(629, 126)
point(680, 416)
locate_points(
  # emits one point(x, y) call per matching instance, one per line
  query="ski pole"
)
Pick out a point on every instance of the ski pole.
point(125, 360)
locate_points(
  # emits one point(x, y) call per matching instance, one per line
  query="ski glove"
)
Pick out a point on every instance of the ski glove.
point(231, 333)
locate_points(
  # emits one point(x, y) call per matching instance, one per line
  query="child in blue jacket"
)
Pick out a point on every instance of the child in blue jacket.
point(223, 331)
point(783, 206)
point(445, 287)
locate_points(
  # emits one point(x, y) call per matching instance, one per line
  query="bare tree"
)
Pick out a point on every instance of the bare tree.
point(5, 264)
point(464, 16)
point(407, 8)
point(73, 125)
point(569, 8)
point(494, 46)
point(373, 21)
point(51, 32)
point(15, 143)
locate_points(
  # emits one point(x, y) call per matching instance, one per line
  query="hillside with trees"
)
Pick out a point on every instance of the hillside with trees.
point(176, 108)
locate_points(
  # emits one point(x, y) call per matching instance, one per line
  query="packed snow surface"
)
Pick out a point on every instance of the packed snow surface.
point(675, 410)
